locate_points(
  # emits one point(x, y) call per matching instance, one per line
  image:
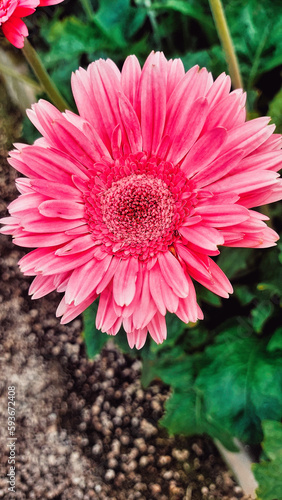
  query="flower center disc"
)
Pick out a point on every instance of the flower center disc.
point(137, 208)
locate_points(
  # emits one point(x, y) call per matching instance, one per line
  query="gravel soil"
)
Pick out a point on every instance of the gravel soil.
point(85, 429)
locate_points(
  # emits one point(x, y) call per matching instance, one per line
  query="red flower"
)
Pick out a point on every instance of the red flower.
point(11, 12)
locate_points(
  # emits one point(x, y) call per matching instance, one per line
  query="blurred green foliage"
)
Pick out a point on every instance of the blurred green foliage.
point(181, 28)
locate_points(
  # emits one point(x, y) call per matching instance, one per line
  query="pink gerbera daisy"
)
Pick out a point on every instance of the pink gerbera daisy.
point(11, 12)
point(128, 200)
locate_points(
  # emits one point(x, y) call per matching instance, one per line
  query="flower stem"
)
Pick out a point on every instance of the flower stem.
point(86, 4)
point(47, 85)
point(18, 76)
point(226, 42)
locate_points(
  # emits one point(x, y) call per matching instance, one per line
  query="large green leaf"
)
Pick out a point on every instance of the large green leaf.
point(269, 472)
point(242, 383)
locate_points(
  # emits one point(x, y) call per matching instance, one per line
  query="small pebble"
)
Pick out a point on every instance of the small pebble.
point(155, 489)
point(205, 490)
point(164, 460)
point(110, 475)
point(180, 455)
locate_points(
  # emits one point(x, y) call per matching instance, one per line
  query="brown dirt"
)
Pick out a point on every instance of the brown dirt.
point(85, 430)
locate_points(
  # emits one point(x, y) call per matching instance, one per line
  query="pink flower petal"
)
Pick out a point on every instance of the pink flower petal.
point(204, 151)
point(41, 285)
point(222, 215)
point(219, 168)
point(72, 311)
point(137, 338)
point(153, 106)
point(219, 90)
point(65, 209)
point(106, 315)
point(157, 328)
point(130, 78)
point(188, 309)
point(131, 125)
point(15, 31)
point(225, 113)
point(84, 280)
point(173, 274)
point(76, 245)
point(41, 240)
point(156, 282)
point(147, 308)
point(204, 237)
point(186, 130)
point(244, 182)
point(56, 190)
point(124, 281)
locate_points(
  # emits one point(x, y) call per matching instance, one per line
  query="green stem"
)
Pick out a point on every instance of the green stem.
point(87, 6)
point(226, 42)
point(18, 76)
point(47, 85)
point(153, 20)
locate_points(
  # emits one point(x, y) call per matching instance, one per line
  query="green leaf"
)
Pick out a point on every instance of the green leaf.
point(119, 22)
point(275, 111)
point(187, 8)
point(241, 383)
point(195, 338)
point(275, 343)
point(94, 339)
point(273, 438)
point(171, 367)
point(261, 314)
point(234, 261)
point(69, 38)
point(244, 294)
point(271, 274)
point(259, 50)
point(185, 414)
point(269, 472)
point(203, 294)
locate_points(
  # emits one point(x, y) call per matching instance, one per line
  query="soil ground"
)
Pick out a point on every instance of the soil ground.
point(85, 429)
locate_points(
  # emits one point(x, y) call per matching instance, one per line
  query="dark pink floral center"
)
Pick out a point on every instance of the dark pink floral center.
point(138, 208)
point(134, 206)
